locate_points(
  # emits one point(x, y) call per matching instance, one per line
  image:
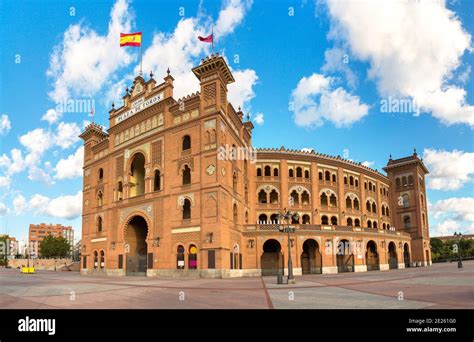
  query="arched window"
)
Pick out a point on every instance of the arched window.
point(138, 175)
point(119, 191)
point(375, 224)
point(96, 259)
point(383, 210)
point(348, 203)
point(291, 173)
point(320, 176)
point(306, 174)
point(305, 198)
point(357, 183)
point(374, 188)
point(186, 142)
point(273, 197)
point(234, 181)
point(384, 226)
point(274, 218)
point(186, 209)
point(235, 213)
point(357, 222)
point(295, 197)
point(333, 200)
point(157, 181)
point(374, 207)
point(334, 178)
point(369, 224)
point(102, 259)
point(101, 175)
point(295, 220)
point(410, 180)
point(299, 172)
point(327, 176)
point(180, 257)
point(324, 199)
point(349, 222)
point(262, 196)
point(186, 175)
point(324, 220)
point(192, 257)
point(334, 221)
point(306, 219)
point(365, 185)
point(422, 200)
point(356, 204)
point(351, 180)
point(267, 171)
point(387, 213)
point(275, 172)
point(404, 181)
point(246, 217)
point(100, 199)
point(406, 200)
point(370, 186)
point(345, 180)
point(423, 219)
point(259, 172)
point(262, 219)
point(388, 226)
point(407, 222)
point(367, 206)
point(397, 182)
point(99, 224)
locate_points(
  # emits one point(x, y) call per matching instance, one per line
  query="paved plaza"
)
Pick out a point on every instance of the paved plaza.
point(441, 286)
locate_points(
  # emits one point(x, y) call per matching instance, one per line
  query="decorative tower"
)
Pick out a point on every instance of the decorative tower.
point(410, 212)
point(214, 76)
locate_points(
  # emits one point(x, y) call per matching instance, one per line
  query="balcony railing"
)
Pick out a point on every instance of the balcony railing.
point(262, 226)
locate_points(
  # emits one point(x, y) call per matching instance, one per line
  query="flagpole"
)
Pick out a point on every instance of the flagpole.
point(212, 35)
point(141, 43)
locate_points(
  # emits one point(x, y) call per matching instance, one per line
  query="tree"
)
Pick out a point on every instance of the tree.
point(4, 250)
point(52, 247)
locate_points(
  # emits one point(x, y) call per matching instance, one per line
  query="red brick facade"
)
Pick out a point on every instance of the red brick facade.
point(162, 198)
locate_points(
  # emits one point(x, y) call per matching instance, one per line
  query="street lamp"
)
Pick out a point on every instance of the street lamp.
point(287, 216)
point(459, 236)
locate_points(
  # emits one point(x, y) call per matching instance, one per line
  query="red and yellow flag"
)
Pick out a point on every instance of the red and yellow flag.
point(131, 39)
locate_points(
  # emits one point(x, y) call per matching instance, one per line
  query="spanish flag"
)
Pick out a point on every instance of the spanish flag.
point(131, 39)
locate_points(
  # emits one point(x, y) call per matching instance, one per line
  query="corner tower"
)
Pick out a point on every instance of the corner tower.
point(407, 178)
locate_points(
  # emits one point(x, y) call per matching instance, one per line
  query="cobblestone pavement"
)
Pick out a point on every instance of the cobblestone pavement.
point(437, 286)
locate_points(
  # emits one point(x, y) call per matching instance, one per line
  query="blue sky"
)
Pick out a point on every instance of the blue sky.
point(312, 74)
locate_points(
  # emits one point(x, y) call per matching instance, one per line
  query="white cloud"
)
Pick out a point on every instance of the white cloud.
point(37, 141)
point(414, 49)
point(241, 91)
point(337, 60)
point(3, 209)
point(307, 149)
point(5, 181)
point(335, 105)
point(85, 60)
point(51, 115)
point(71, 167)
point(68, 207)
point(5, 124)
point(445, 228)
point(368, 163)
point(230, 16)
point(36, 173)
point(258, 119)
point(460, 209)
point(448, 170)
point(67, 134)
point(19, 204)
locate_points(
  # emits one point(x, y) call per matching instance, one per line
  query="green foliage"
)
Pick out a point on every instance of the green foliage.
point(441, 251)
point(52, 247)
point(3, 250)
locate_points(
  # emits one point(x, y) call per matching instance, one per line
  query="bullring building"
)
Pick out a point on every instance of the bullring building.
point(160, 198)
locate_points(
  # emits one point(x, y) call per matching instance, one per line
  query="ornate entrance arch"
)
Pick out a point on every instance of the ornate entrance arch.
point(136, 248)
point(311, 258)
point(272, 259)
